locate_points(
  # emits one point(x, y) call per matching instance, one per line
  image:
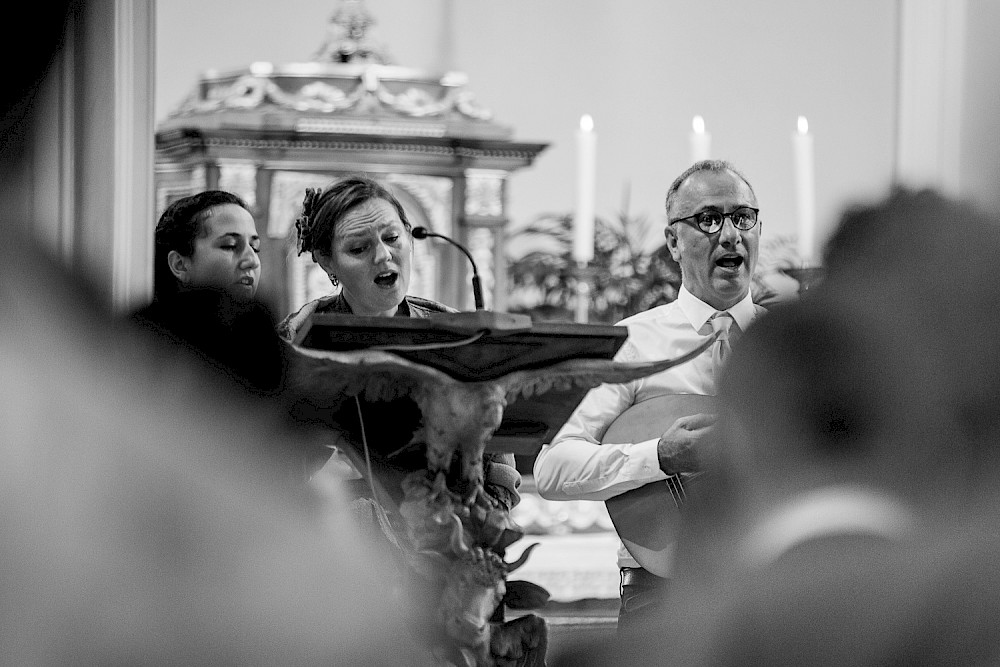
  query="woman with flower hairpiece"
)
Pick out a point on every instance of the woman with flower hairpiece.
point(358, 232)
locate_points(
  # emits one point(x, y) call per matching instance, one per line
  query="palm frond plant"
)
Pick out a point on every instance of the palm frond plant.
point(769, 285)
point(625, 276)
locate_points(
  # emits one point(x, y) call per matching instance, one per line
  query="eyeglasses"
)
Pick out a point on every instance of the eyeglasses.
point(744, 218)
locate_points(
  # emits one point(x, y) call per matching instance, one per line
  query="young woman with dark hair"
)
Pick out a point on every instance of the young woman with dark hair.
point(206, 240)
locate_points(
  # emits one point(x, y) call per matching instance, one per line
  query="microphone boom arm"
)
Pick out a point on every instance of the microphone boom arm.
point(477, 287)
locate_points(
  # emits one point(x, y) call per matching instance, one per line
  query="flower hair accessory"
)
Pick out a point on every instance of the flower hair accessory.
point(304, 224)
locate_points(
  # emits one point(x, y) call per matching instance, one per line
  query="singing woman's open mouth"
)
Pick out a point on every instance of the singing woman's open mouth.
point(386, 279)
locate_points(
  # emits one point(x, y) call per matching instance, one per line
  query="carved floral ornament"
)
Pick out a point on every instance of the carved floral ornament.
point(347, 38)
point(257, 88)
point(239, 178)
point(484, 192)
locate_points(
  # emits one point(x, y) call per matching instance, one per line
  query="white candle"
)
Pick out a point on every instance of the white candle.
point(701, 141)
point(805, 189)
point(583, 218)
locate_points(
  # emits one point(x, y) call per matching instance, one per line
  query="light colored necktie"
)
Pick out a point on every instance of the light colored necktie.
point(721, 323)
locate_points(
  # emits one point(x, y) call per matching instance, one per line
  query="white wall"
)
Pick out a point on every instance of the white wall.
point(980, 135)
point(644, 69)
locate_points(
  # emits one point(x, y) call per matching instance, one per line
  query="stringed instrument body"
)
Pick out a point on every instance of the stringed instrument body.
point(647, 519)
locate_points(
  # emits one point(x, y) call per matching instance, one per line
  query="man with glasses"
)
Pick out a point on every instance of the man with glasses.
point(712, 232)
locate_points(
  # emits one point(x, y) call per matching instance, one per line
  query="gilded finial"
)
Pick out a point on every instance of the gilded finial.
point(347, 39)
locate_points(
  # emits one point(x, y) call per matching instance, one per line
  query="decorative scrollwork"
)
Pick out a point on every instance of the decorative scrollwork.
point(366, 91)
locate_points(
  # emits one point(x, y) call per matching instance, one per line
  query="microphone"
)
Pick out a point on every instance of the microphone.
point(482, 320)
point(477, 287)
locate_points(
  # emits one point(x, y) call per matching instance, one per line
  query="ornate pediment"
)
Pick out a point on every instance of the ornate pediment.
point(348, 87)
point(330, 88)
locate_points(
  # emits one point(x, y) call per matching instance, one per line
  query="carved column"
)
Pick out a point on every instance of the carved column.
point(240, 178)
point(483, 224)
point(428, 203)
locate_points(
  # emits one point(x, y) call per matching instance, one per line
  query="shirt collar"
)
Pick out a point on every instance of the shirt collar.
point(698, 312)
point(830, 510)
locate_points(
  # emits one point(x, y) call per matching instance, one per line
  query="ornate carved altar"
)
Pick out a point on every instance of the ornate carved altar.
point(267, 132)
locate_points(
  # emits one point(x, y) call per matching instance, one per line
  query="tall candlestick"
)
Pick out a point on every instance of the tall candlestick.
point(805, 188)
point(701, 141)
point(583, 218)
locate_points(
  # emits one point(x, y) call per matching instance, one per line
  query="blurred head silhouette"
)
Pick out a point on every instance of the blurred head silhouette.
point(881, 376)
point(926, 261)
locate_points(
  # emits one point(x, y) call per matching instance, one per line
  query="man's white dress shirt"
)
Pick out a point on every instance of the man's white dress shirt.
point(825, 511)
point(575, 465)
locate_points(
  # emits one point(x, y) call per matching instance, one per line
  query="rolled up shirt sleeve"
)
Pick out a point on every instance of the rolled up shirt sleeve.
point(577, 466)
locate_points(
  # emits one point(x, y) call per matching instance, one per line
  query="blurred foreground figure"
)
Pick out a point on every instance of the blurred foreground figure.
point(855, 497)
point(828, 482)
point(931, 261)
point(948, 277)
point(146, 516)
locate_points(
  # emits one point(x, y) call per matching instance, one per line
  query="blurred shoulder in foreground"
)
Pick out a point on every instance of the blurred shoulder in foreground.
point(147, 517)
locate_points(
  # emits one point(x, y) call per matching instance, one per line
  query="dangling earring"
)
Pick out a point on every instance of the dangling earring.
point(333, 279)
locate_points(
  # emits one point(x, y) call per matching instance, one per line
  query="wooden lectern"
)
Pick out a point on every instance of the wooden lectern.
point(465, 347)
point(480, 380)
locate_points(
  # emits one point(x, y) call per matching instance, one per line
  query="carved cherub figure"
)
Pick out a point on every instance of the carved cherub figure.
point(347, 39)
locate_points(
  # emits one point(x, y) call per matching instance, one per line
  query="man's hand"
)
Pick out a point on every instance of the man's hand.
point(678, 446)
